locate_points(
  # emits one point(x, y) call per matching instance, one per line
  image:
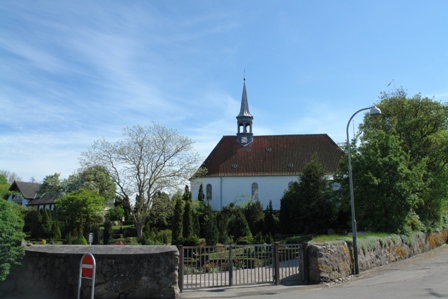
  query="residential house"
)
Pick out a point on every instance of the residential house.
point(25, 194)
point(22, 192)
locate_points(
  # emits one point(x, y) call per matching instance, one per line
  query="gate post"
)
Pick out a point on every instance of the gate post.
point(230, 266)
point(276, 265)
point(180, 272)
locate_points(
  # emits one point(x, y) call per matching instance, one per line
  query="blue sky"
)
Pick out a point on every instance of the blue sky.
point(72, 72)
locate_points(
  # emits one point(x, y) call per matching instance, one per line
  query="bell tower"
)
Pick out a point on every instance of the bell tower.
point(244, 121)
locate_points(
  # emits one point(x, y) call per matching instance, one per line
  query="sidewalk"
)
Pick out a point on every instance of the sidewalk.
point(241, 291)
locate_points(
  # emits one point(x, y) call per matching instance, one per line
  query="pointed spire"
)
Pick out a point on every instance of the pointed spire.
point(244, 111)
point(244, 120)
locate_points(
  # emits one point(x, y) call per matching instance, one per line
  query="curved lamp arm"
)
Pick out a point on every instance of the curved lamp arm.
point(373, 111)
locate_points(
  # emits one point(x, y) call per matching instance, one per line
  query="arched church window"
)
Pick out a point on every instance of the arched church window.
point(255, 191)
point(209, 191)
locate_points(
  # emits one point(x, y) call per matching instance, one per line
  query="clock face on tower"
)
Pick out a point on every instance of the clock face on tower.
point(243, 139)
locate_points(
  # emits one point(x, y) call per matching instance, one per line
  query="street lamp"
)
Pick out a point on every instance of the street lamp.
point(373, 111)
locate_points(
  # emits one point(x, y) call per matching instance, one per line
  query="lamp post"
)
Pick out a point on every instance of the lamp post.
point(373, 111)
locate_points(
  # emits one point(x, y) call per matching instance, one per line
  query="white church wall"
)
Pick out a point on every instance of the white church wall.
point(238, 190)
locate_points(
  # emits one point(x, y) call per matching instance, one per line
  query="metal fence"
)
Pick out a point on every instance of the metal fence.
point(230, 265)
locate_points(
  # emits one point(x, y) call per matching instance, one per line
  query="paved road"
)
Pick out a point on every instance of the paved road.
point(422, 276)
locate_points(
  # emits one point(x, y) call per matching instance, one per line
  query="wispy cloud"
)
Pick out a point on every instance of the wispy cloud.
point(74, 72)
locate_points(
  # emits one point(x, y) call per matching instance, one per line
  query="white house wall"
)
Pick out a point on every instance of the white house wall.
point(18, 200)
point(226, 190)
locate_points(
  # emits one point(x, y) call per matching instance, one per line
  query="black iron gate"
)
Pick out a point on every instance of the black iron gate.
point(230, 265)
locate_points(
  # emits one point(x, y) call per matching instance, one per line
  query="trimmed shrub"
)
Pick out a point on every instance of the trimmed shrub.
point(190, 241)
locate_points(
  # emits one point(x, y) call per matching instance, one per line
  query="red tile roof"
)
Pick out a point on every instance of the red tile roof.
point(272, 155)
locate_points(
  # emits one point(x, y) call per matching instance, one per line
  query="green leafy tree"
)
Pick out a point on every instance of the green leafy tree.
point(386, 186)
point(80, 210)
point(3, 179)
point(4, 186)
point(125, 205)
point(52, 184)
point(420, 129)
point(115, 213)
point(11, 224)
point(162, 212)
point(146, 160)
point(94, 178)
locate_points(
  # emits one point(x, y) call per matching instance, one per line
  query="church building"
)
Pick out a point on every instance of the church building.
point(247, 167)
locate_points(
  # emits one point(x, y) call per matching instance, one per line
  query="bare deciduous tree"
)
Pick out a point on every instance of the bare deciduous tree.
point(10, 176)
point(147, 160)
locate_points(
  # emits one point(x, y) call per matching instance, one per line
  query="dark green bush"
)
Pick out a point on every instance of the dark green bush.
point(130, 232)
point(75, 240)
point(244, 240)
point(190, 241)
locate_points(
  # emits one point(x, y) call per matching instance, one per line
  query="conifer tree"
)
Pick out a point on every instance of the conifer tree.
point(47, 224)
point(56, 230)
point(255, 216)
point(199, 213)
point(211, 233)
point(187, 217)
point(36, 224)
point(177, 222)
point(238, 226)
point(270, 223)
point(108, 232)
point(201, 195)
point(187, 194)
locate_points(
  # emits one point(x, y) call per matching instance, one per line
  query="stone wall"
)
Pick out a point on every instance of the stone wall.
point(334, 261)
point(52, 272)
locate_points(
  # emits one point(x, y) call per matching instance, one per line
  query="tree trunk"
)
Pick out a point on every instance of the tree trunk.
point(139, 225)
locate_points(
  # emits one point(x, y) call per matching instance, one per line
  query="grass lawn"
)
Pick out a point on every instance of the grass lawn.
point(347, 237)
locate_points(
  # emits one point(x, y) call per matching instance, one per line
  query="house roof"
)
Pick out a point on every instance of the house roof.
point(46, 199)
point(28, 190)
point(272, 155)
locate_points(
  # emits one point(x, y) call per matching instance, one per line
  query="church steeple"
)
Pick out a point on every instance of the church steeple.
point(244, 121)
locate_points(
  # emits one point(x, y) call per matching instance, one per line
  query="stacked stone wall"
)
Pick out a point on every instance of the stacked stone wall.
point(334, 261)
point(52, 272)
